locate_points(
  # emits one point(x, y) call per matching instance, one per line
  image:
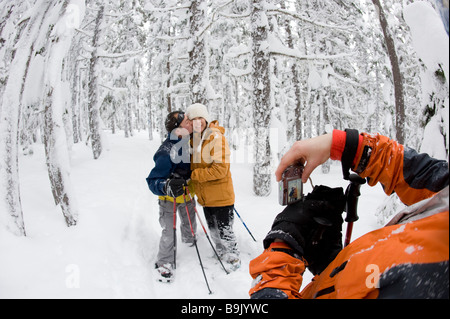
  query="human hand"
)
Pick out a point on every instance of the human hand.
point(175, 187)
point(311, 153)
point(312, 227)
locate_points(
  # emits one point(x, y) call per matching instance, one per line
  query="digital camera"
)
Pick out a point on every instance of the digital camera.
point(290, 188)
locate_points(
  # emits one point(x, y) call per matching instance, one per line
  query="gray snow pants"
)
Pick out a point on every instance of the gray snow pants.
point(166, 244)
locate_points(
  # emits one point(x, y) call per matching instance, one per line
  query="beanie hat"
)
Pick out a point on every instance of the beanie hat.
point(198, 110)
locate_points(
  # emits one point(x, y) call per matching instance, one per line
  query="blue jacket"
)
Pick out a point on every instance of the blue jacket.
point(172, 157)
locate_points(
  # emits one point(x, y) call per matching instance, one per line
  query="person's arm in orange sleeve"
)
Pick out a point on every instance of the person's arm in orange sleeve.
point(399, 169)
point(277, 273)
point(310, 236)
point(413, 176)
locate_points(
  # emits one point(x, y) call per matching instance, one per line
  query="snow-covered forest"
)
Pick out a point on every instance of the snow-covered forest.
point(75, 72)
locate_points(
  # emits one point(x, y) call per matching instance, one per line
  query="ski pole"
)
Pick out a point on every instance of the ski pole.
point(195, 244)
point(174, 233)
point(352, 193)
point(206, 233)
point(244, 224)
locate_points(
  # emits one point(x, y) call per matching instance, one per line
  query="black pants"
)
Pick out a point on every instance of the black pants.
point(220, 223)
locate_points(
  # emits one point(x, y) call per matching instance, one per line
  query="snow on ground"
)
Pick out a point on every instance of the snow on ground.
point(111, 252)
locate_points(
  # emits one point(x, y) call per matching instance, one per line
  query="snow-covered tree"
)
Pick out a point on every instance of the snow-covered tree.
point(55, 101)
point(18, 34)
point(36, 74)
point(396, 73)
point(198, 59)
point(303, 67)
point(262, 106)
point(93, 86)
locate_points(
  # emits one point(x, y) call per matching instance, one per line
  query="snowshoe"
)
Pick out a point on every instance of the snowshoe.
point(232, 262)
point(235, 264)
point(165, 273)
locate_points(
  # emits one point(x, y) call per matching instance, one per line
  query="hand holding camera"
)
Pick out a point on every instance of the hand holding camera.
point(312, 227)
point(312, 153)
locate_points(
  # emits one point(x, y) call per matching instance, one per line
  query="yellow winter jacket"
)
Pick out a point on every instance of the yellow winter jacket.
point(210, 165)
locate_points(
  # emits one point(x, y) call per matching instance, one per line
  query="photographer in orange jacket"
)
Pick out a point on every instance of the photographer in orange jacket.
point(408, 258)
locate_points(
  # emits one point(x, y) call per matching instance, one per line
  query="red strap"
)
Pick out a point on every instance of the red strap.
point(338, 146)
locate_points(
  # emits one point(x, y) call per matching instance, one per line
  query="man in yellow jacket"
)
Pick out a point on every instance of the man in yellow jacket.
point(167, 180)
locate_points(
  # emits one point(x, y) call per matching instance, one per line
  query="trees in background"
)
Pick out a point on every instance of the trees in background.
point(72, 68)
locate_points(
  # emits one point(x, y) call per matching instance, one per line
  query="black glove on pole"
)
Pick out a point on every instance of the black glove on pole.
point(174, 187)
point(312, 227)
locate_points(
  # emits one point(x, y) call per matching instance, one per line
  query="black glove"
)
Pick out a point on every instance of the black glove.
point(312, 227)
point(174, 187)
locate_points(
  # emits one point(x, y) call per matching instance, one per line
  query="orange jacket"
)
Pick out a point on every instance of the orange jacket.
point(408, 258)
point(210, 167)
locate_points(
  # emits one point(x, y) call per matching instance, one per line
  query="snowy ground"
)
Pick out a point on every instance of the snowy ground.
point(111, 252)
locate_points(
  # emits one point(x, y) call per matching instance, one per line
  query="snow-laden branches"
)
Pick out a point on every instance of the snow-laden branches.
point(114, 89)
point(150, 8)
point(276, 47)
point(103, 54)
point(307, 20)
point(317, 64)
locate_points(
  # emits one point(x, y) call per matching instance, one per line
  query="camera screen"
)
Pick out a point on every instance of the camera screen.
point(294, 190)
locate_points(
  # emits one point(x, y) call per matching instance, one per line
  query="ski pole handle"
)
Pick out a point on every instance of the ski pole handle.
point(352, 193)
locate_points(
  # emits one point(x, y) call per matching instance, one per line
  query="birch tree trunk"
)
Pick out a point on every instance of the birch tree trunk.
point(58, 175)
point(398, 78)
point(261, 99)
point(76, 83)
point(296, 83)
point(11, 213)
point(197, 54)
point(149, 103)
point(55, 140)
point(93, 99)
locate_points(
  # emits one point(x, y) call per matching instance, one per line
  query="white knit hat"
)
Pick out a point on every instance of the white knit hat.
point(198, 110)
